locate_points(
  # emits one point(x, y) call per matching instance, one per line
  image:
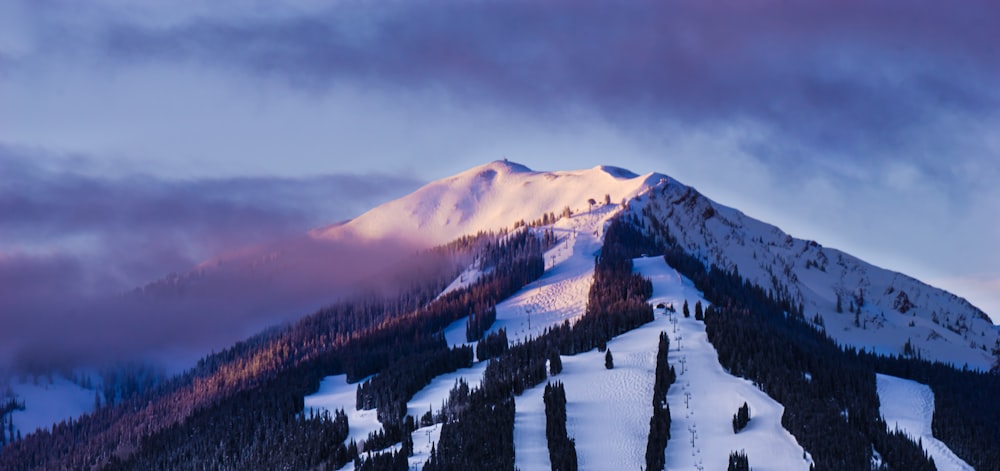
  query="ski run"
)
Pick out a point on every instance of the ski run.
point(608, 410)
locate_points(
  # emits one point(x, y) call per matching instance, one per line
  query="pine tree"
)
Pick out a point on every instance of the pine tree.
point(698, 313)
point(609, 361)
point(738, 461)
point(741, 418)
point(685, 310)
point(555, 363)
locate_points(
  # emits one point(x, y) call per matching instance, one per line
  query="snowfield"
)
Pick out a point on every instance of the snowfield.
point(336, 393)
point(47, 403)
point(909, 406)
point(560, 294)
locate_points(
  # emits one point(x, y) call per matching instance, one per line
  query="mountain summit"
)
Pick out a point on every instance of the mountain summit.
point(490, 197)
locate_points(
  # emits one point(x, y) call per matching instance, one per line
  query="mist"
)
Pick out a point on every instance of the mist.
point(97, 270)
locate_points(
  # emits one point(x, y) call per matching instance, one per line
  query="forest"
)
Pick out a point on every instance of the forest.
point(243, 407)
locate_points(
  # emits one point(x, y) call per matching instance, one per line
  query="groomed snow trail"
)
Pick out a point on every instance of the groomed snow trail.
point(705, 397)
point(909, 406)
point(561, 293)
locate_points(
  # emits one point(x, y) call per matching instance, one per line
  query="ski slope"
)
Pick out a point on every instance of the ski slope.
point(48, 402)
point(608, 411)
point(909, 406)
point(560, 294)
point(705, 397)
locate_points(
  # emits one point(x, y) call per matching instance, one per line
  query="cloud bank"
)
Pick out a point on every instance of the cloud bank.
point(73, 247)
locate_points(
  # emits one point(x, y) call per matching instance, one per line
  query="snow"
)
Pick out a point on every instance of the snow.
point(908, 406)
point(47, 403)
point(815, 275)
point(609, 410)
point(489, 197)
point(560, 294)
point(434, 394)
point(454, 334)
point(467, 278)
point(336, 393)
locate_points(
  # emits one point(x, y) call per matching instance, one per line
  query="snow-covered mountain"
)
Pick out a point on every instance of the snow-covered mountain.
point(607, 410)
point(893, 309)
point(606, 414)
point(490, 197)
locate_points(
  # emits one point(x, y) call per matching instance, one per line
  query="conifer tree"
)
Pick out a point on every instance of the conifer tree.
point(609, 361)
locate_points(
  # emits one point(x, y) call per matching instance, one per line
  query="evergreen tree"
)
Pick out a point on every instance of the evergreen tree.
point(609, 361)
point(738, 461)
point(741, 418)
point(555, 363)
point(685, 310)
point(698, 313)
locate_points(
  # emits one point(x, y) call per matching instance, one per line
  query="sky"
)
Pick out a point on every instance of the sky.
point(142, 137)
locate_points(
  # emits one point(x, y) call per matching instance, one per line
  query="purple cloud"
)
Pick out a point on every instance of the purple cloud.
point(74, 246)
point(848, 77)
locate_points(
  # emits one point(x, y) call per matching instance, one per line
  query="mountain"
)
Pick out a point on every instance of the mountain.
point(600, 320)
point(489, 197)
point(893, 309)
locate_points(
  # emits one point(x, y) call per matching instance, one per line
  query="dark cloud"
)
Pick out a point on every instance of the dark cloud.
point(72, 243)
point(850, 78)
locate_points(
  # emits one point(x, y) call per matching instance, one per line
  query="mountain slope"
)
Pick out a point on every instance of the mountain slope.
point(489, 197)
point(879, 310)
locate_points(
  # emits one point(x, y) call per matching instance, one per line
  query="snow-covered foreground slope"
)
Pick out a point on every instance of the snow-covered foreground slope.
point(909, 406)
point(705, 397)
point(608, 411)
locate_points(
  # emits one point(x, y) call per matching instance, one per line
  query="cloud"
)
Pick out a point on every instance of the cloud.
point(71, 244)
point(848, 77)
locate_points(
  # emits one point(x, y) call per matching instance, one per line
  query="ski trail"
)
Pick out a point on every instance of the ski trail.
point(909, 406)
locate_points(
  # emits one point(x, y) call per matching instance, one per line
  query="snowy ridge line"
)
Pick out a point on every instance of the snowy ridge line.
point(879, 310)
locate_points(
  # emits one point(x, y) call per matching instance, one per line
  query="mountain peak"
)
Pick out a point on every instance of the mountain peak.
point(617, 172)
point(491, 196)
point(504, 166)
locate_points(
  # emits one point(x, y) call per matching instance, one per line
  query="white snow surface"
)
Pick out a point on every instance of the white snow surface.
point(336, 393)
point(560, 294)
point(909, 407)
point(489, 197)
point(47, 403)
